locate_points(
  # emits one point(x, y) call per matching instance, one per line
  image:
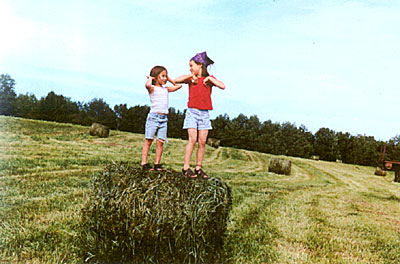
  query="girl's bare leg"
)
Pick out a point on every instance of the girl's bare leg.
point(201, 148)
point(145, 150)
point(159, 150)
point(192, 133)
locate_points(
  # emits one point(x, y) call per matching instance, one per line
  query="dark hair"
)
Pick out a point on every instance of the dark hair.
point(204, 71)
point(155, 71)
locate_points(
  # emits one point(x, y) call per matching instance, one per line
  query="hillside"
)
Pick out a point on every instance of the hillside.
point(324, 212)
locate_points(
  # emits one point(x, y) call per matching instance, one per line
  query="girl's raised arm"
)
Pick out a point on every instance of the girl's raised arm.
point(215, 82)
point(175, 87)
point(184, 78)
point(149, 84)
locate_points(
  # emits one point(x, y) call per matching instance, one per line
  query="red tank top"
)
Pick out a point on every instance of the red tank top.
point(200, 95)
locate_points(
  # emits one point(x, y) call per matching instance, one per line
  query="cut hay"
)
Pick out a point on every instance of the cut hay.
point(380, 172)
point(137, 216)
point(280, 166)
point(99, 130)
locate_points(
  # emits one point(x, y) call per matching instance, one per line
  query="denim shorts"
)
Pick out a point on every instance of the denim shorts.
point(199, 119)
point(156, 125)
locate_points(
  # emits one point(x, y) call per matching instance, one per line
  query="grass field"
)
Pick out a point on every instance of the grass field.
point(323, 213)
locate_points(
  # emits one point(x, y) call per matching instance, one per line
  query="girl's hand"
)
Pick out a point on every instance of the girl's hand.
point(149, 83)
point(212, 81)
point(171, 81)
point(194, 79)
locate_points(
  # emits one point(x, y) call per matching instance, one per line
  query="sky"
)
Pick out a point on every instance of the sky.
point(317, 63)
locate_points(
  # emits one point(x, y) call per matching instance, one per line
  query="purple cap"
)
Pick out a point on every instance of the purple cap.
point(202, 58)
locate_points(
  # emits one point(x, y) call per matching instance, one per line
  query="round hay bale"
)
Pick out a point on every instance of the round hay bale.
point(99, 130)
point(315, 157)
point(213, 142)
point(380, 172)
point(280, 166)
point(138, 216)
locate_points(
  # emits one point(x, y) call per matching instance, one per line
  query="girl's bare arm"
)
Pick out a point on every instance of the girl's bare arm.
point(149, 84)
point(215, 82)
point(174, 88)
point(184, 78)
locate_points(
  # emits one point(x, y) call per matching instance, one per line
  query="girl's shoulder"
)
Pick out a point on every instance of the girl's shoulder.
point(203, 77)
point(161, 89)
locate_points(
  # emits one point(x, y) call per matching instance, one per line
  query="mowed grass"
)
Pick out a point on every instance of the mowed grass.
point(323, 213)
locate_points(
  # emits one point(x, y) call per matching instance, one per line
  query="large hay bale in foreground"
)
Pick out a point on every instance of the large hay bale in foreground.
point(380, 172)
point(138, 216)
point(280, 166)
point(99, 130)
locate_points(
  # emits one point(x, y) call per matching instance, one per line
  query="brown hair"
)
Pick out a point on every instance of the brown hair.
point(155, 71)
point(203, 60)
point(204, 71)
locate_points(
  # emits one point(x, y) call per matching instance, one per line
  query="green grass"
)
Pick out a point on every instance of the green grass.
point(323, 213)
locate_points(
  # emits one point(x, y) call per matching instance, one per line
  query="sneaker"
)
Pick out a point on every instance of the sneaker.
point(189, 174)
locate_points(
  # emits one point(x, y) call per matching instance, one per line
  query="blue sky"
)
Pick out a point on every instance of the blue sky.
point(319, 63)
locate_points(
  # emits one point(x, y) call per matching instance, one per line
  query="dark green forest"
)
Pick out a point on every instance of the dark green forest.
point(240, 132)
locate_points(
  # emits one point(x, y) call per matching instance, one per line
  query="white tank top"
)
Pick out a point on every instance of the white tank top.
point(159, 100)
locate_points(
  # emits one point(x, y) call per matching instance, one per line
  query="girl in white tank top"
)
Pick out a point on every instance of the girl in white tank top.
point(159, 100)
point(156, 123)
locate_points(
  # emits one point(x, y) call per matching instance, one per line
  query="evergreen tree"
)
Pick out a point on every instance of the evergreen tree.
point(99, 111)
point(364, 150)
point(175, 124)
point(121, 112)
point(7, 95)
point(57, 108)
point(220, 129)
point(326, 144)
point(269, 137)
point(392, 149)
point(26, 106)
point(344, 146)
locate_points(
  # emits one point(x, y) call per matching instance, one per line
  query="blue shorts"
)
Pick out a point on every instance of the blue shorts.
point(156, 125)
point(199, 119)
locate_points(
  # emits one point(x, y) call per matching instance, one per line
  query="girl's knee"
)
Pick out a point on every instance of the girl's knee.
point(148, 141)
point(192, 141)
point(202, 142)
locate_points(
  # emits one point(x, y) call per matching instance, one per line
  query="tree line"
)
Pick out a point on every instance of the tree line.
point(240, 132)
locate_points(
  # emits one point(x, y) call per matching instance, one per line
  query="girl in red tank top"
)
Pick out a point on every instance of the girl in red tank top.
point(197, 118)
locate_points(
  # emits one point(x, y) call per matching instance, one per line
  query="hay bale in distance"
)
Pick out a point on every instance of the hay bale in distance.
point(315, 157)
point(380, 172)
point(136, 216)
point(280, 166)
point(99, 130)
point(213, 142)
